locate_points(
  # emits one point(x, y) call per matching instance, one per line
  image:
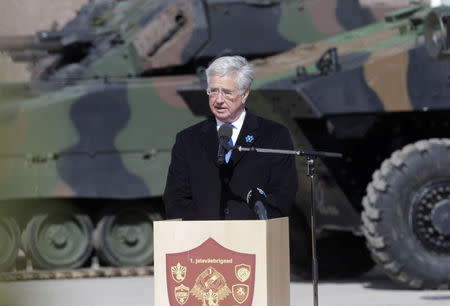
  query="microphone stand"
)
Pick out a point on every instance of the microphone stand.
point(310, 162)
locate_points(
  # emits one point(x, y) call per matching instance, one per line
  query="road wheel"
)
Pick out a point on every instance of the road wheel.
point(9, 242)
point(124, 236)
point(406, 215)
point(58, 239)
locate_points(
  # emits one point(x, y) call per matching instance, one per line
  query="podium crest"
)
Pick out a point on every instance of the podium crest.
point(181, 294)
point(242, 272)
point(215, 275)
point(178, 272)
point(240, 293)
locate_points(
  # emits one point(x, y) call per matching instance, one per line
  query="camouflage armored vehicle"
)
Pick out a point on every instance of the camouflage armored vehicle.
point(85, 146)
point(377, 96)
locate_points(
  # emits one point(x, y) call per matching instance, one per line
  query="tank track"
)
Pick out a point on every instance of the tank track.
point(94, 271)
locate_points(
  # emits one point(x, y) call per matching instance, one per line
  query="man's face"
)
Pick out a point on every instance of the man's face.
point(225, 101)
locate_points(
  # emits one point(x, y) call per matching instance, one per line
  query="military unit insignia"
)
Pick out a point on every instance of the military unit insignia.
point(249, 138)
point(210, 287)
point(240, 292)
point(178, 273)
point(181, 294)
point(242, 272)
point(210, 275)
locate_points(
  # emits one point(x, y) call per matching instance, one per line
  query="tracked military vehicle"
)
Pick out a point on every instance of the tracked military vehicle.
point(379, 97)
point(85, 146)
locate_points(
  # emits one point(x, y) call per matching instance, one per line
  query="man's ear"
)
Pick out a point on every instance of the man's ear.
point(245, 95)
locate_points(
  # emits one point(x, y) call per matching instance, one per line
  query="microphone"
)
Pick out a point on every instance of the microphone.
point(255, 199)
point(224, 133)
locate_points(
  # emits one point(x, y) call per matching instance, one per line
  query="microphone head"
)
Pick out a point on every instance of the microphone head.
point(256, 201)
point(255, 194)
point(225, 130)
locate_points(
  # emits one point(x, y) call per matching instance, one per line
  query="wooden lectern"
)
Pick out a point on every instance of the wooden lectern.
point(224, 263)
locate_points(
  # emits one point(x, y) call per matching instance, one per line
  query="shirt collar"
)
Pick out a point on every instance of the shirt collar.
point(236, 124)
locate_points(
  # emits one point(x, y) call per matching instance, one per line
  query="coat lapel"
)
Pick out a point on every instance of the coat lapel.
point(250, 130)
point(209, 139)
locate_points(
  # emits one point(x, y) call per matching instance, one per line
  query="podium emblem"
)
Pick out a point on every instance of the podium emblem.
point(240, 292)
point(214, 275)
point(242, 272)
point(178, 272)
point(181, 294)
point(210, 287)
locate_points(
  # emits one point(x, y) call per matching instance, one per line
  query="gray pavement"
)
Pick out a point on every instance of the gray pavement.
point(373, 289)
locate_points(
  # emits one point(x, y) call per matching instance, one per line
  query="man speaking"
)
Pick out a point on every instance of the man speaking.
point(206, 180)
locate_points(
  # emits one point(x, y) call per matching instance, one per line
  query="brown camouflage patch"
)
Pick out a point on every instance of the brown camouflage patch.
point(166, 88)
point(12, 132)
point(63, 190)
point(170, 53)
point(308, 54)
point(388, 77)
point(379, 12)
point(323, 13)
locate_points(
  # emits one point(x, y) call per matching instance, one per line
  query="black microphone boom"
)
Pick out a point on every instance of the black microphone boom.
point(224, 134)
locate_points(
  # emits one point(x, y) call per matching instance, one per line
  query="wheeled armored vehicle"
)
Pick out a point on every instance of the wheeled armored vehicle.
point(86, 144)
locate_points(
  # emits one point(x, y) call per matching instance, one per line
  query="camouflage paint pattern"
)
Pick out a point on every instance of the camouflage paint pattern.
point(116, 129)
point(89, 132)
point(99, 119)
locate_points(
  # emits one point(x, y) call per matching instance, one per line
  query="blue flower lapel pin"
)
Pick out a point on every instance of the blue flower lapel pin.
point(249, 138)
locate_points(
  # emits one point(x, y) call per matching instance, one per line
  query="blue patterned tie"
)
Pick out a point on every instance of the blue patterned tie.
point(230, 142)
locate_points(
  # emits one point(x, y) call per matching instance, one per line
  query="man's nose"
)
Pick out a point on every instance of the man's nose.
point(220, 98)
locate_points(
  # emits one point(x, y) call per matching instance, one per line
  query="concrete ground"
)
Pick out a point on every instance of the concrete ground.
point(372, 289)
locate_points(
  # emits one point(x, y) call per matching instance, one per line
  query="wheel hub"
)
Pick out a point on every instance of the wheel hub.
point(130, 236)
point(58, 236)
point(431, 217)
point(440, 217)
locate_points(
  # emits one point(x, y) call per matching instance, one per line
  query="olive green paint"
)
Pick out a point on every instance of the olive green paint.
point(273, 78)
point(259, 105)
point(152, 120)
point(117, 62)
point(296, 23)
point(34, 173)
point(152, 168)
point(151, 133)
point(21, 180)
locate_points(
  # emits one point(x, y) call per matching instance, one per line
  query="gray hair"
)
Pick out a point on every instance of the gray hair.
point(232, 64)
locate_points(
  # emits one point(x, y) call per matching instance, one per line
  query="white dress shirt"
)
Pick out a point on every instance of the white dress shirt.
point(237, 126)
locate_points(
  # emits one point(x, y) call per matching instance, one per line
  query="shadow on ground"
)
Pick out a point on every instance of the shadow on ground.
point(374, 279)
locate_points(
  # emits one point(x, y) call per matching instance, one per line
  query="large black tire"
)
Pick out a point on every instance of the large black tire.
point(406, 216)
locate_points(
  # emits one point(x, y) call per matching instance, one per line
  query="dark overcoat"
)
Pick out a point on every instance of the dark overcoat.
point(198, 188)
